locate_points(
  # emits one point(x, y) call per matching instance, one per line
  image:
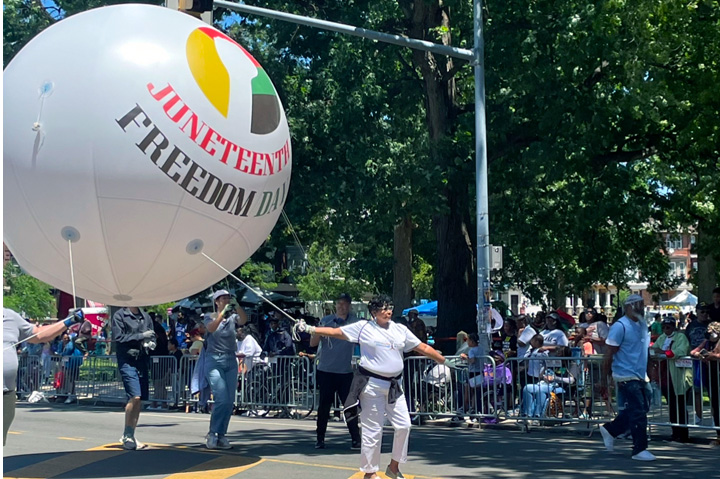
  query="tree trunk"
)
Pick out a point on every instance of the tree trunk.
point(707, 269)
point(456, 282)
point(402, 266)
point(456, 279)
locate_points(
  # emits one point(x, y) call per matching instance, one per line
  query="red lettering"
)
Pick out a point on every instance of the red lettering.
point(162, 93)
point(207, 141)
point(255, 164)
point(194, 131)
point(228, 146)
point(243, 159)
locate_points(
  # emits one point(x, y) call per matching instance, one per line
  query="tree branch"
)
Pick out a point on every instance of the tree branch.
point(597, 75)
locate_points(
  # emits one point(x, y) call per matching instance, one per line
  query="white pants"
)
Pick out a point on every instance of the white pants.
point(373, 401)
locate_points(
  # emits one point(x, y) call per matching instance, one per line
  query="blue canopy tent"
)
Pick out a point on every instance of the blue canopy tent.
point(427, 309)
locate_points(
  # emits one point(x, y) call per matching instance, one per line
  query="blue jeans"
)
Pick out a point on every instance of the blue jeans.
point(222, 375)
point(535, 397)
point(634, 398)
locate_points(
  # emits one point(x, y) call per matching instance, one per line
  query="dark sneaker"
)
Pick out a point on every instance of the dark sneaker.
point(356, 446)
point(320, 445)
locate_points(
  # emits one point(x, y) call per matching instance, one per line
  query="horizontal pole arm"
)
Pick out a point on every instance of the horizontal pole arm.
point(350, 30)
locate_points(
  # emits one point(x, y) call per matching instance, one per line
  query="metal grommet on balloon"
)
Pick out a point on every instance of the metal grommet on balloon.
point(69, 233)
point(47, 88)
point(122, 297)
point(195, 246)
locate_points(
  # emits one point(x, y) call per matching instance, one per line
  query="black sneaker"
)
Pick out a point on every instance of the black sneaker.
point(356, 446)
point(320, 445)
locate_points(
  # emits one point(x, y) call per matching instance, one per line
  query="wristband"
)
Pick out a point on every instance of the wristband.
point(68, 322)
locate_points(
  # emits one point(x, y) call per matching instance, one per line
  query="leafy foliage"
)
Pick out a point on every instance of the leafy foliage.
point(28, 296)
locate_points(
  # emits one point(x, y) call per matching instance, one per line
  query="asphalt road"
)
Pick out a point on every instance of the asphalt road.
point(81, 442)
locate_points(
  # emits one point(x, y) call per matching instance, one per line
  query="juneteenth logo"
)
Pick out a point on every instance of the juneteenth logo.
point(212, 77)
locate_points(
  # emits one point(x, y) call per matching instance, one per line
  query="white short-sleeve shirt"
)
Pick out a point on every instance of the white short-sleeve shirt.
point(381, 350)
point(250, 349)
point(555, 337)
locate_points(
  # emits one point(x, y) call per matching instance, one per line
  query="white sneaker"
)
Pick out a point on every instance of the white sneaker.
point(128, 443)
point(211, 441)
point(608, 439)
point(698, 421)
point(223, 443)
point(644, 456)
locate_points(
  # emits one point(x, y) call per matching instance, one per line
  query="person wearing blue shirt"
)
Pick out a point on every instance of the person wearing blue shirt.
point(627, 350)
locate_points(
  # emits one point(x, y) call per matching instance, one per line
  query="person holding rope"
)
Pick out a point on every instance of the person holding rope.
point(376, 387)
point(134, 337)
point(221, 365)
point(15, 331)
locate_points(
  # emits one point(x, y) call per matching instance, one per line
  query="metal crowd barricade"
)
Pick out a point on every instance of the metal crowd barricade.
point(284, 384)
point(183, 383)
point(163, 379)
point(550, 389)
point(30, 374)
point(680, 389)
point(108, 386)
point(435, 391)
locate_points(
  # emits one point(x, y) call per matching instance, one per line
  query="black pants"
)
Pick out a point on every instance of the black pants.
point(329, 384)
point(678, 412)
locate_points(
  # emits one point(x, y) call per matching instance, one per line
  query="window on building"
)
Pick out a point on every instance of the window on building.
point(673, 241)
point(679, 269)
point(692, 239)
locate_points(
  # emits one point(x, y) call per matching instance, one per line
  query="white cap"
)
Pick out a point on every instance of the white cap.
point(633, 298)
point(220, 292)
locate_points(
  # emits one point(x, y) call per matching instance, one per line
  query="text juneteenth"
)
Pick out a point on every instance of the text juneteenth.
point(195, 179)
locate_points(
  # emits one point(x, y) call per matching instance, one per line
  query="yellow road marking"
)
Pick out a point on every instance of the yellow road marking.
point(66, 462)
point(71, 438)
point(220, 467)
point(357, 475)
point(309, 464)
point(14, 432)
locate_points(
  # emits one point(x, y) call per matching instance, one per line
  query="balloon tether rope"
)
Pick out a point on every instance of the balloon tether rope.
point(259, 295)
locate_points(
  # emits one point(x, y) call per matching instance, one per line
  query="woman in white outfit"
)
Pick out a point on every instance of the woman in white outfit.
point(377, 382)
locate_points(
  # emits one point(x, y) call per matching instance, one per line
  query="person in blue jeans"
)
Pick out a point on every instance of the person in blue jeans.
point(628, 342)
point(221, 366)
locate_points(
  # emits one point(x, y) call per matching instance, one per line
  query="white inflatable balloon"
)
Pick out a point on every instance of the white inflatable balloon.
point(142, 136)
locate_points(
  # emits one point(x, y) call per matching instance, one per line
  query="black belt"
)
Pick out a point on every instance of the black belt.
point(377, 376)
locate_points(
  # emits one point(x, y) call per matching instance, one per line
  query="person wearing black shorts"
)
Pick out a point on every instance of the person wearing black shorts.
point(133, 334)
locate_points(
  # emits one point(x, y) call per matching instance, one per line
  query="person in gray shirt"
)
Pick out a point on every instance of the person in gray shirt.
point(15, 329)
point(334, 370)
point(221, 365)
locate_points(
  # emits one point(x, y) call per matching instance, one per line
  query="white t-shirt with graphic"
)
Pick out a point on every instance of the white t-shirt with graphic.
point(381, 350)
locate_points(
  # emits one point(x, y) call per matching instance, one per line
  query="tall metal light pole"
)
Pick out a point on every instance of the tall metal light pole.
point(481, 184)
point(481, 180)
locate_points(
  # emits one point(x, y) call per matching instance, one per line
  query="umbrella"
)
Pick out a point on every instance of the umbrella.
point(427, 309)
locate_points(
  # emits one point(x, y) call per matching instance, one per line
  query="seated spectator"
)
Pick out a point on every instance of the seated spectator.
point(552, 380)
